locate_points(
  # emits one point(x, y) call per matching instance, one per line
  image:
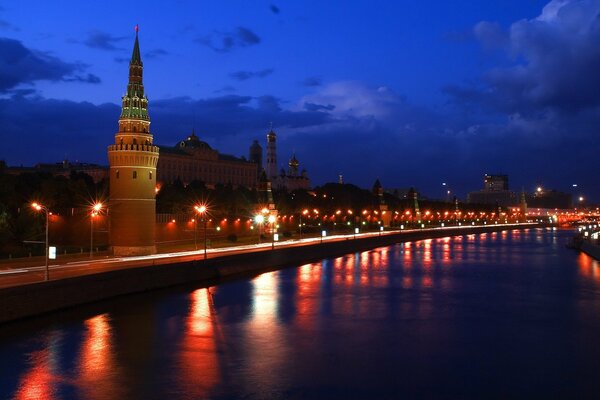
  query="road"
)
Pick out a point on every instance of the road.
point(18, 272)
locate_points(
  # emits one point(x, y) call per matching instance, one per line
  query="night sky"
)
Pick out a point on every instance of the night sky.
point(413, 93)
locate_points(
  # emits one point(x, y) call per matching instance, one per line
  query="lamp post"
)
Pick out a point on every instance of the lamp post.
point(39, 207)
point(201, 209)
point(272, 220)
point(95, 211)
point(304, 212)
point(259, 219)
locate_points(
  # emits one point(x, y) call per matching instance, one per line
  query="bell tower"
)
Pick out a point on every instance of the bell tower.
point(133, 159)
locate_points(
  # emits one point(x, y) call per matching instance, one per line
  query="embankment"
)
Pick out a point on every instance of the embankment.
point(592, 250)
point(39, 298)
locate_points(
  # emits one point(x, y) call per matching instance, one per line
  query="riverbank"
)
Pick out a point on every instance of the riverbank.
point(43, 297)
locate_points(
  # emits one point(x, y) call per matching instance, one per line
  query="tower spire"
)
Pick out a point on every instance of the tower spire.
point(136, 58)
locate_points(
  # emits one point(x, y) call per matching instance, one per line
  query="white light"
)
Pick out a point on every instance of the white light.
point(323, 233)
point(401, 226)
point(276, 237)
point(52, 253)
point(355, 230)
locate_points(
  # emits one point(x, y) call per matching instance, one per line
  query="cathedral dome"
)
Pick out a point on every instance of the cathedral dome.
point(193, 142)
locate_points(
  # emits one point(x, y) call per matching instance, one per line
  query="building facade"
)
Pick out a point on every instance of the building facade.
point(194, 160)
point(133, 160)
point(495, 192)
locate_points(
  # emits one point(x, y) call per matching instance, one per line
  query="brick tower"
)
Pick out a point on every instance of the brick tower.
point(133, 159)
point(271, 164)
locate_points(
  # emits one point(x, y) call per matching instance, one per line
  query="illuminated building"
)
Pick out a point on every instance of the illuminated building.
point(194, 160)
point(133, 160)
point(292, 180)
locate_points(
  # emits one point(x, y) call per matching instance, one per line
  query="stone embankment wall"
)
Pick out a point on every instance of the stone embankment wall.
point(35, 299)
point(592, 250)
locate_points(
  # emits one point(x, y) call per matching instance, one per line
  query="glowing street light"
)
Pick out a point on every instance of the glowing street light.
point(259, 219)
point(94, 212)
point(44, 209)
point(201, 209)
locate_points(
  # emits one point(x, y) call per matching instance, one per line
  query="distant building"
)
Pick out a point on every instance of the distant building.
point(256, 156)
point(194, 160)
point(495, 192)
point(543, 198)
point(291, 179)
point(495, 183)
point(65, 168)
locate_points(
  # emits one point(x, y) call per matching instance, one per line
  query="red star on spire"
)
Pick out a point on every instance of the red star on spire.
point(137, 28)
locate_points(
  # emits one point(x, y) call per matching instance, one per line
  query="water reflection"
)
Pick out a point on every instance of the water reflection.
point(198, 362)
point(96, 361)
point(39, 382)
point(430, 306)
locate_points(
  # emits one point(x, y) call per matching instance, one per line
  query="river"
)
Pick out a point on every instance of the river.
point(495, 315)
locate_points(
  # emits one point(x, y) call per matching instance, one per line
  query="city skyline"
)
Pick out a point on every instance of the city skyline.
point(483, 89)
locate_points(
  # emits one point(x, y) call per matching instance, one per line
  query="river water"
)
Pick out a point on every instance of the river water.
point(496, 315)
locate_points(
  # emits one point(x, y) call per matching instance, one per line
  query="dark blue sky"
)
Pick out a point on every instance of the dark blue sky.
point(415, 93)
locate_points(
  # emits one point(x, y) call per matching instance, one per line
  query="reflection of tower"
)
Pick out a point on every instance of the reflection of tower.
point(271, 165)
point(256, 154)
point(133, 161)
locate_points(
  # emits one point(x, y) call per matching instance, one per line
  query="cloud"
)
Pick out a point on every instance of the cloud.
point(21, 65)
point(274, 9)
point(5, 25)
point(103, 41)
point(225, 89)
point(245, 75)
point(224, 42)
point(318, 107)
point(551, 62)
point(312, 81)
point(155, 53)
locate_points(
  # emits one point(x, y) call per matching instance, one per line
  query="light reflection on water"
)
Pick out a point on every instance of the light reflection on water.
point(448, 317)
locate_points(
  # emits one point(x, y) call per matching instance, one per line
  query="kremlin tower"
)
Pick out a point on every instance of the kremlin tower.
point(133, 160)
point(271, 164)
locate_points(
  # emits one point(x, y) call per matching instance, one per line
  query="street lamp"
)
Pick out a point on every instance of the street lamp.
point(305, 212)
point(259, 219)
point(95, 211)
point(39, 207)
point(272, 220)
point(201, 209)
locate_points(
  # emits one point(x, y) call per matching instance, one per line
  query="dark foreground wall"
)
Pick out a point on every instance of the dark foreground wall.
point(39, 298)
point(592, 250)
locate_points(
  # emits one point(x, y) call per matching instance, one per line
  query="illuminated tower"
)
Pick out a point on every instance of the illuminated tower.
point(271, 165)
point(133, 161)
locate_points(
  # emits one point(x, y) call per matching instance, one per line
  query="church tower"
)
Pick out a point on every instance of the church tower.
point(133, 159)
point(271, 164)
